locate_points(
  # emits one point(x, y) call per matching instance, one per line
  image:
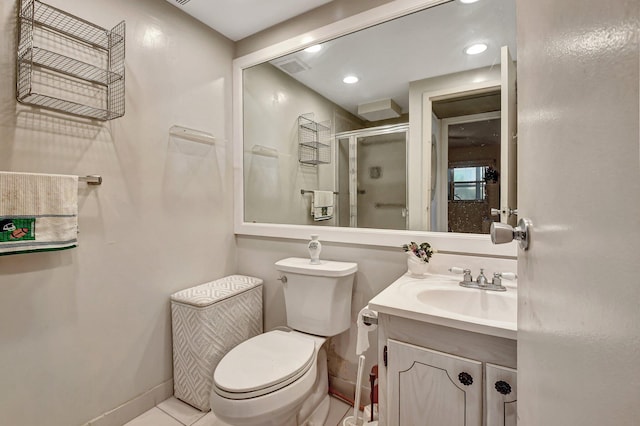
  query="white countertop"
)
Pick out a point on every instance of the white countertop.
point(439, 299)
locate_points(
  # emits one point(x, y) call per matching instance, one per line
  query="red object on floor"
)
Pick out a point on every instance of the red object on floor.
point(373, 377)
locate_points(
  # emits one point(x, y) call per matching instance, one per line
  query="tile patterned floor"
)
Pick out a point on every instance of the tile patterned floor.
point(174, 412)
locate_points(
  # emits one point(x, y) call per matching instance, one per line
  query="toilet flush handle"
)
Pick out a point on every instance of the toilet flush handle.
point(283, 278)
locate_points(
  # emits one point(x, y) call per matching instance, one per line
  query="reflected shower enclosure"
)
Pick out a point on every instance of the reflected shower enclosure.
point(371, 176)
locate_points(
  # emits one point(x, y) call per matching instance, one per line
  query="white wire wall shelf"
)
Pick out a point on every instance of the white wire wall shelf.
point(68, 64)
point(314, 140)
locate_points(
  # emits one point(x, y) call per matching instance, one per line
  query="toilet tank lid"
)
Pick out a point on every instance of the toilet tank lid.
point(214, 291)
point(326, 268)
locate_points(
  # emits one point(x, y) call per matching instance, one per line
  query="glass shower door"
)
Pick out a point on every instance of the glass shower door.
point(371, 176)
point(380, 179)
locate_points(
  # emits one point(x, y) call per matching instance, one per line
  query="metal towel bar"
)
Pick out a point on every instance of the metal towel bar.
point(91, 179)
point(306, 191)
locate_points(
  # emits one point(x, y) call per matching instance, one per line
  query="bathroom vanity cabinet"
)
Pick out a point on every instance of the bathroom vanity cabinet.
point(438, 375)
point(501, 395)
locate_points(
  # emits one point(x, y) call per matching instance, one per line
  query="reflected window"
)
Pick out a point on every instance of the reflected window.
point(467, 183)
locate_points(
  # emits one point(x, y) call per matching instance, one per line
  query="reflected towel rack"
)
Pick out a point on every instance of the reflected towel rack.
point(307, 191)
point(91, 179)
point(264, 151)
point(382, 205)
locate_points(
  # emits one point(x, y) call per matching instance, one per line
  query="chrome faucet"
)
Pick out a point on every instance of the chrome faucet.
point(481, 282)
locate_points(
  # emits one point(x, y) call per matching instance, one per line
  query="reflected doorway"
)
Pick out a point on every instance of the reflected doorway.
point(472, 159)
point(469, 154)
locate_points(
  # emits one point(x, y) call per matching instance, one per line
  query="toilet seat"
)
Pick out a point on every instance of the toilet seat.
point(263, 364)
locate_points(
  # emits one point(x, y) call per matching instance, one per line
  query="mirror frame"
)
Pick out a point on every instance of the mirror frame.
point(444, 242)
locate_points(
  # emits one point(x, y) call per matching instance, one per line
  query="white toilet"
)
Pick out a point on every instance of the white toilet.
point(280, 378)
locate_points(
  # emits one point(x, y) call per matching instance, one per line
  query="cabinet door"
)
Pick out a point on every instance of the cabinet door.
point(432, 388)
point(502, 397)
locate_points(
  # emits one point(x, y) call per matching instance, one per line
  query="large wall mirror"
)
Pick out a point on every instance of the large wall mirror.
point(401, 127)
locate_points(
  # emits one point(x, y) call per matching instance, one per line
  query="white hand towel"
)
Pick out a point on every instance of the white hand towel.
point(323, 198)
point(322, 205)
point(38, 212)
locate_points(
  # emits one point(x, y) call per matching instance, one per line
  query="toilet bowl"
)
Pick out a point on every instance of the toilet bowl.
point(265, 380)
point(280, 378)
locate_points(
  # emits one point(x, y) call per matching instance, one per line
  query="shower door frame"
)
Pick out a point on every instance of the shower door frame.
point(353, 135)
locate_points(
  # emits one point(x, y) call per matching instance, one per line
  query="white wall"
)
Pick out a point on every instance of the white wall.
point(85, 330)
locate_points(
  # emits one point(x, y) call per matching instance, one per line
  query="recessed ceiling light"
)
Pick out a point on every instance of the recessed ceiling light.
point(313, 49)
point(474, 49)
point(467, 1)
point(350, 79)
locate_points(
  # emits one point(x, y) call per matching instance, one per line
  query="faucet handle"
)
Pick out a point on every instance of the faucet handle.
point(499, 276)
point(506, 275)
point(467, 273)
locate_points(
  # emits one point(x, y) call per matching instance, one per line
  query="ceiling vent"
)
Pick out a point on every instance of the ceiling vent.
point(379, 110)
point(182, 2)
point(291, 65)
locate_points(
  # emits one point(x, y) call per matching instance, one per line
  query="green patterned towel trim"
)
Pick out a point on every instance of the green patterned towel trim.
point(17, 229)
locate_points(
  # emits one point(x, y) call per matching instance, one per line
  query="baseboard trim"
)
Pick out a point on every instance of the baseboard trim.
point(134, 407)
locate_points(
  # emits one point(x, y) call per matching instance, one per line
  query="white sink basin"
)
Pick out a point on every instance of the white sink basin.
point(439, 299)
point(474, 303)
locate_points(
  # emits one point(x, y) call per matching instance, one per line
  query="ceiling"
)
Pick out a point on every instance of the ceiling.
point(388, 56)
point(385, 57)
point(237, 19)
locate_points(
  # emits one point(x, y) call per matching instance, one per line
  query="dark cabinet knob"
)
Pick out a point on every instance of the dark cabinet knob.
point(503, 387)
point(465, 378)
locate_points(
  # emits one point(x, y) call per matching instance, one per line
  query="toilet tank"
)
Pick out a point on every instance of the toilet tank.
point(318, 297)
